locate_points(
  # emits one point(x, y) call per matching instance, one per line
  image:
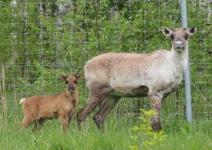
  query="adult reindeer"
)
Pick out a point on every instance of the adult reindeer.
point(111, 76)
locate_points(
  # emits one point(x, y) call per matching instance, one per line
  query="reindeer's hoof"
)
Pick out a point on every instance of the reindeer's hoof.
point(156, 127)
point(95, 119)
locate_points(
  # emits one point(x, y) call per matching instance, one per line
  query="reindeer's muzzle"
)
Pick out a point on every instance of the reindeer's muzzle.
point(179, 45)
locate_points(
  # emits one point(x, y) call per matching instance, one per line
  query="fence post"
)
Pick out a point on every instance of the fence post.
point(184, 24)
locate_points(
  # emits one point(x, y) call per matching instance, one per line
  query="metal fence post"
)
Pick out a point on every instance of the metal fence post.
point(184, 24)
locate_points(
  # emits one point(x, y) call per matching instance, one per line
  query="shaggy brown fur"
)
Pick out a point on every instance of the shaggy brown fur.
point(37, 109)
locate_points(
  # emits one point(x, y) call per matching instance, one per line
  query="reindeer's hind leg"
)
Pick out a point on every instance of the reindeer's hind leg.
point(105, 108)
point(70, 116)
point(96, 95)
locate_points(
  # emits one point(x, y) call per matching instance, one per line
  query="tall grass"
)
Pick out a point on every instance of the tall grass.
point(181, 136)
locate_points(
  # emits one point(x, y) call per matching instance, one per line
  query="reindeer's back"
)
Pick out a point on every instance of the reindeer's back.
point(120, 67)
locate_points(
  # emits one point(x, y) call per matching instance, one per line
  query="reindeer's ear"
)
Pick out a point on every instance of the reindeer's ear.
point(191, 31)
point(63, 77)
point(167, 32)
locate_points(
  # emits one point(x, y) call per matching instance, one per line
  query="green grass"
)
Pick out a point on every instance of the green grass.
point(180, 136)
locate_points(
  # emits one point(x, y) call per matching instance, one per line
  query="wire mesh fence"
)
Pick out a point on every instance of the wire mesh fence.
point(40, 40)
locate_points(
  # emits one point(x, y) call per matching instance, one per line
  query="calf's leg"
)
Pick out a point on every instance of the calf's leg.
point(38, 124)
point(28, 120)
point(64, 120)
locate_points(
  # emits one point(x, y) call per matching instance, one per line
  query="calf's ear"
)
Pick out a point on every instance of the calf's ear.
point(63, 77)
point(77, 76)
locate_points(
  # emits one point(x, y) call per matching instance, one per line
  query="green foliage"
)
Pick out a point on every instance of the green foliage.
point(143, 135)
point(115, 136)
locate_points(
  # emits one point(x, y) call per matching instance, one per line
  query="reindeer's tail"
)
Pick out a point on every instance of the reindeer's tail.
point(22, 100)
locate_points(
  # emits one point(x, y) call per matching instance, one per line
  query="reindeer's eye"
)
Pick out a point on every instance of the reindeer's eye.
point(66, 82)
point(75, 81)
point(172, 36)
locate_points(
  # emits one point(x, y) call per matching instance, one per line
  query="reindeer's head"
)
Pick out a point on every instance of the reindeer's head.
point(179, 37)
point(71, 81)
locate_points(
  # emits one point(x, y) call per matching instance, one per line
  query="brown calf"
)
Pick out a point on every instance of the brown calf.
point(37, 109)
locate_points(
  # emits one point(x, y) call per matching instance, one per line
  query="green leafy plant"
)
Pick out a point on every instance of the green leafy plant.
point(142, 134)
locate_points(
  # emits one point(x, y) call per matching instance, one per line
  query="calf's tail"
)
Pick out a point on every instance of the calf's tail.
point(22, 100)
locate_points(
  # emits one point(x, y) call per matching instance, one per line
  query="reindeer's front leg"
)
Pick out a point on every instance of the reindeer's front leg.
point(156, 105)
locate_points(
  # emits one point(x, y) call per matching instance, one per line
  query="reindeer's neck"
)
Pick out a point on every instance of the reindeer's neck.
point(179, 57)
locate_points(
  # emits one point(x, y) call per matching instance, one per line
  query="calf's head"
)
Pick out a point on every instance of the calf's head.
point(179, 37)
point(71, 81)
